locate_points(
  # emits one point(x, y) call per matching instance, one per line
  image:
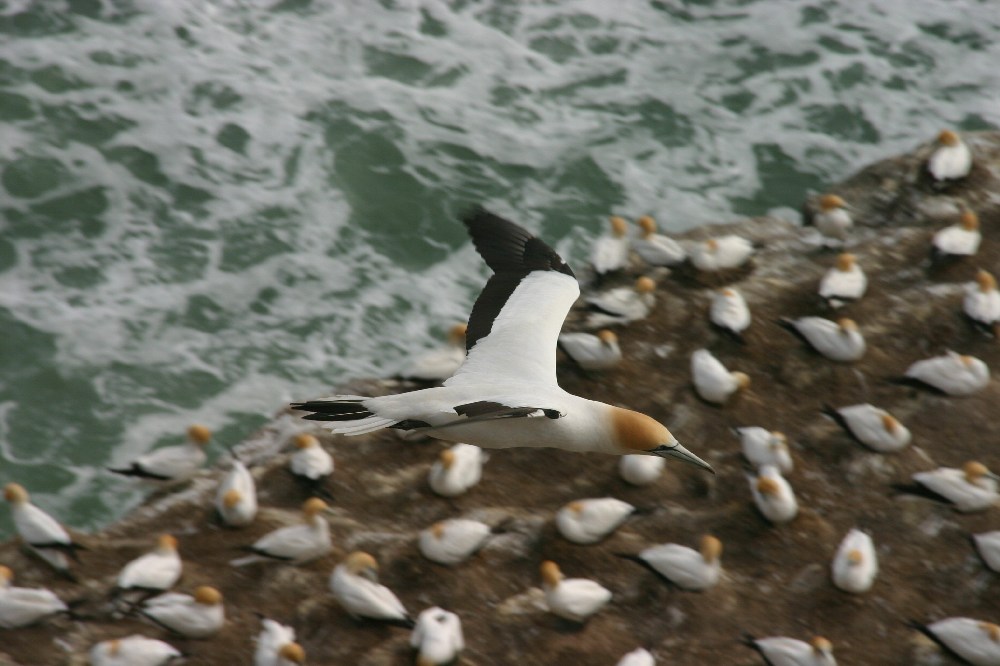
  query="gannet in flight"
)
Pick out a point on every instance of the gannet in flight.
point(506, 393)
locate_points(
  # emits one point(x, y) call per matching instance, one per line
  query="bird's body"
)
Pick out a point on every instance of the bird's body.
point(951, 158)
point(975, 641)
point(958, 240)
point(439, 364)
point(610, 253)
point(833, 220)
point(588, 521)
point(988, 547)
point(982, 300)
point(621, 305)
point(656, 249)
point(971, 488)
point(311, 465)
point(713, 382)
point(133, 650)
point(765, 447)
point(685, 567)
point(729, 311)
point(592, 352)
point(453, 541)
point(783, 651)
point(855, 563)
point(355, 586)
point(236, 497)
point(437, 637)
point(157, 570)
point(640, 470)
point(773, 495)
point(836, 340)
point(276, 645)
point(721, 254)
point(573, 599)
point(171, 463)
point(197, 616)
point(295, 543)
point(456, 470)
point(637, 657)
point(951, 373)
point(22, 606)
point(844, 282)
point(40, 531)
point(874, 427)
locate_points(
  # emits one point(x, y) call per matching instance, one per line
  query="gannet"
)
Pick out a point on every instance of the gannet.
point(171, 463)
point(685, 567)
point(982, 301)
point(43, 534)
point(988, 547)
point(610, 253)
point(622, 305)
point(875, 428)
point(355, 586)
point(836, 340)
point(295, 543)
point(656, 249)
point(276, 645)
point(637, 657)
point(782, 651)
point(844, 282)
point(640, 470)
point(312, 465)
point(438, 365)
point(971, 488)
point(574, 599)
point(133, 650)
point(958, 240)
point(773, 495)
point(437, 637)
point(713, 382)
point(951, 159)
point(588, 521)
point(833, 220)
point(21, 606)
point(592, 352)
point(975, 641)
point(452, 541)
point(721, 254)
point(506, 394)
point(951, 373)
point(855, 563)
point(197, 616)
point(765, 447)
point(156, 571)
point(236, 497)
point(729, 311)
point(456, 470)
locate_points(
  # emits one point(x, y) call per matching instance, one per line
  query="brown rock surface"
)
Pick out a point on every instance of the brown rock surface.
point(777, 578)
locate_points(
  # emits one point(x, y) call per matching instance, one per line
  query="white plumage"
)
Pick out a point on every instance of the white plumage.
point(439, 364)
point(588, 521)
point(637, 657)
point(236, 497)
point(971, 488)
point(40, 531)
point(833, 220)
point(456, 470)
point(951, 373)
point(592, 352)
point(133, 650)
point(276, 645)
point(765, 447)
point(610, 252)
point(574, 599)
point(982, 300)
point(975, 641)
point(951, 158)
point(712, 380)
point(355, 586)
point(157, 570)
point(437, 637)
point(729, 311)
point(641, 470)
point(836, 340)
point(783, 651)
point(172, 463)
point(845, 281)
point(959, 240)
point(197, 616)
point(773, 495)
point(21, 606)
point(874, 427)
point(310, 460)
point(721, 253)
point(621, 305)
point(452, 541)
point(656, 249)
point(988, 545)
point(295, 543)
point(855, 563)
point(686, 567)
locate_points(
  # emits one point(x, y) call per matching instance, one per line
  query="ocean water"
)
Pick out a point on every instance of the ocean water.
point(209, 208)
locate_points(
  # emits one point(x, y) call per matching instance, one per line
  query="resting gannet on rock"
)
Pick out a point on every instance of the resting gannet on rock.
point(782, 651)
point(773, 495)
point(982, 301)
point(713, 382)
point(236, 498)
point(506, 394)
point(637, 657)
point(21, 606)
point(133, 650)
point(685, 567)
point(171, 463)
point(951, 159)
point(456, 470)
point(197, 616)
point(588, 521)
point(592, 352)
point(721, 254)
point(640, 470)
point(729, 312)
point(452, 541)
point(836, 340)
point(437, 637)
point(975, 641)
point(765, 447)
point(276, 645)
point(855, 563)
point(951, 373)
point(40, 531)
point(622, 305)
point(833, 220)
point(988, 546)
point(875, 428)
point(294, 543)
point(156, 571)
point(958, 240)
point(312, 465)
point(439, 364)
point(971, 488)
point(656, 249)
point(355, 586)
point(574, 599)
point(610, 253)
point(844, 282)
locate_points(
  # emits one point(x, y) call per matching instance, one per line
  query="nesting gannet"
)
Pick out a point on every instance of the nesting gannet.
point(637, 657)
point(622, 305)
point(640, 470)
point(685, 567)
point(155, 571)
point(236, 497)
point(133, 650)
point(610, 253)
point(588, 521)
point(765, 447)
point(312, 465)
point(355, 586)
point(294, 543)
point(971, 488)
point(439, 364)
point(713, 382)
point(988, 546)
point(506, 394)
point(833, 220)
point(574, 599)
point(982, 301)
point(975, 641)
point(729, 311)
point(951, 373)
point(437, 637)
point(951, 159)
point(456, 470)
point(844, 282)
point(197, 616)
point(836, 340)
point(855, 563)
point(958, 240)
point(782, 651)
point(276, 645)
point(773, 495)
point(452, 541)
point(21, 606)
point(592, 352)
point(656, 249)
point(721, 254)
point(43, 534)
point(171, 463)
point(875, 428)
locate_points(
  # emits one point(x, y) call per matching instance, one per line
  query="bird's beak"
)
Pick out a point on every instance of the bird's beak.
point(677, 451)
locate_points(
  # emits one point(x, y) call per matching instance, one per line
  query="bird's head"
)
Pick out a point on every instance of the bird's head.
point(829, 202)
point(292, 652)
point(15, 493)
point(975, 470)
point(645, 285)
point(948, 138)
point(313, 507)
point(231, 498)
point(207, 596)
point(619, 227)
point(607, 337)
point(969, 221)
point(360, 563)
point(890, 423)
point(986, 281)
point(845, 261)
point(711, 548)
point(647, 224)
point(637, 433)
point(167, 542)
point(551, 575)
point(456, 334)
point(199, 434)
point(304, 441)
point(821, 646)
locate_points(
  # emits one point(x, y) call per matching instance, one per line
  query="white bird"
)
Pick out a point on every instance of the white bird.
point(21, 606)
point(588, 521)
point(157, 570)
point(574, 599)
point(437, 637)
point(765, 447)
point(855, 563)
point(622, 305)
point(721, 254)
point(197, 616)
point(729, 311)
point(982, 301)
point(610, 253)
point(951, 159)
point(782, 651)
point(656, 249)
point(43, 534)
point(833, 220)
point(845, 281)
point(171, 463)
point(951, 373)
point(637, 657)
point(456, 470)
point(713, 382)
point(295, 543)
point(640, 470)
point(685, 567)
point(276, 645)
point(506, 394)
point(439, 364)
point(355, 586)
point(958, 240)
point(133, 650)
point(592, 352)
point(452, 541)
point(773, 495)
point(974, 641)
point(836, 340)
point(988, 547)
point(236, 497)
point(311, 464)
point(971, 488)
point(875, 428)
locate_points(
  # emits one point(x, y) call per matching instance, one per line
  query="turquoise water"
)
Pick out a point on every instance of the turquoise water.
point(210, 208)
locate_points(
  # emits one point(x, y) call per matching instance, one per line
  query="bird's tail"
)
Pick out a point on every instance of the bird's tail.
point(348, 409)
